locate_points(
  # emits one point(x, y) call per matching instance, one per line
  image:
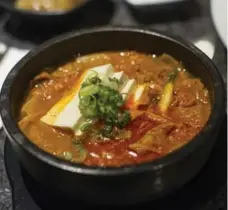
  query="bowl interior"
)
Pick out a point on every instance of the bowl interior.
point(107, 41)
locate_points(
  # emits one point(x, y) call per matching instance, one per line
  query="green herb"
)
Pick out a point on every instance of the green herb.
point(172, 76)
point(81, 151)
point(88, 106)
point(85, 126)
point(167, 92)
point(67, 155)
point(104, 103)
point(118, 82)
point(89, 90)
point(106, 131)
point(123, 119)
point(94, 79)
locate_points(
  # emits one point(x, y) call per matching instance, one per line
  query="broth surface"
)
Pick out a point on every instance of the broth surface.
point(149, 135)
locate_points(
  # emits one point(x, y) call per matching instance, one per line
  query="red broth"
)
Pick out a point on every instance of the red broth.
point(152, 133)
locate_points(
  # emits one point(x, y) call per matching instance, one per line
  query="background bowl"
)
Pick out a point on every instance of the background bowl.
point(123, 185)
point(42, 17)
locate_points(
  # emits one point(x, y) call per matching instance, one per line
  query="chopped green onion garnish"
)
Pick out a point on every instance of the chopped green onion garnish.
point(82, 152)
point(101, 102)
point(115, 80)
point(89, 90)
point(167, 93)
point(172, 76)
point(85, 126)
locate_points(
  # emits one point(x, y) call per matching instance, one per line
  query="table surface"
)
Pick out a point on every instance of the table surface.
point(191, 24)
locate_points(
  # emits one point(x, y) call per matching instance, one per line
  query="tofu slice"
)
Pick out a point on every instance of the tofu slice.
point(141, 95)
point(65, 113)
point(138, 97)
point(120, 76)
point(102, 72)
point(139, 92)
point(127, 88)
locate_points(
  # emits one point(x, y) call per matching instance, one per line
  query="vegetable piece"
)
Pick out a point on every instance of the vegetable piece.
point(106, 131)
point(115, 80)
point(67, 155)
point(88, 107)
point(85, 126)
point(82, 152)
point(167, 92)
point(141, 96)
point(40, 78)
point(123, 119)
point(66, 113)
point(89, 90)
point(166, 97)
point(141, 125)
point(154, 140)
point(123, 134)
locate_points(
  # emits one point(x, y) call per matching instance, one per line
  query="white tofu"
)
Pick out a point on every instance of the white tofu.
point(70, 116)
point(65, 113)
point(103, 71)
point(127, 88)
point(120, 76)
point(138, 92)
point(141, 95)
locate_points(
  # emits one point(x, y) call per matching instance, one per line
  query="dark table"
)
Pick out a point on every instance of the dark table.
point(190, 21)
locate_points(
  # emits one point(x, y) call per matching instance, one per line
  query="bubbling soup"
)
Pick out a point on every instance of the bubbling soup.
point(114, 108)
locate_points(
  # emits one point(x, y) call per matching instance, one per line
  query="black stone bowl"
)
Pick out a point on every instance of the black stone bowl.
point(122, 185)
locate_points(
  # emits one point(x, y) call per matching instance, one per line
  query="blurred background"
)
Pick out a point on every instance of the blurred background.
point(27, 23)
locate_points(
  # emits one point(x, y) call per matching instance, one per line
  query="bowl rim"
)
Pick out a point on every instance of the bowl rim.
point(13, 132)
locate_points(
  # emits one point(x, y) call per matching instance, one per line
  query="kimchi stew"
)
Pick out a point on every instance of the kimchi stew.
point(114, 108)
